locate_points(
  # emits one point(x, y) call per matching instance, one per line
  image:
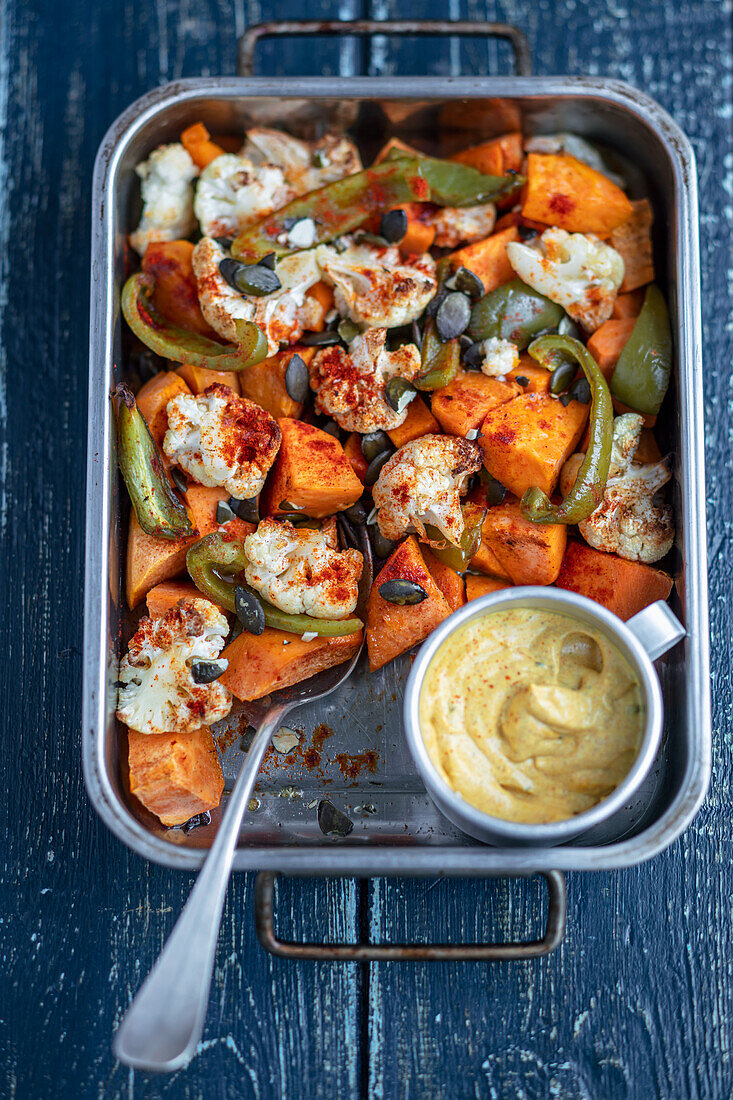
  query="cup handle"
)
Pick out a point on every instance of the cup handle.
point(657, 628)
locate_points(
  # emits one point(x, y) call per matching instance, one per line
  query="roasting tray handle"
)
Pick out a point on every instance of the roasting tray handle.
point(415, 27)
point(411, 952)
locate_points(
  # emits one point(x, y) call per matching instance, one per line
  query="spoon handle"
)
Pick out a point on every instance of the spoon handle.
point(163, 1025)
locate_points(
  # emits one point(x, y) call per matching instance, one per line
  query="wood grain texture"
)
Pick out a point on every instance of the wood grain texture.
point(638, 1001)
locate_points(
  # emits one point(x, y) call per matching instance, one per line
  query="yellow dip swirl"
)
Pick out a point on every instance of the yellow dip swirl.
point(531, 715)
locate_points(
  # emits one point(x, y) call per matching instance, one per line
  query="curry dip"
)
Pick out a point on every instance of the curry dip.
point(531, 715)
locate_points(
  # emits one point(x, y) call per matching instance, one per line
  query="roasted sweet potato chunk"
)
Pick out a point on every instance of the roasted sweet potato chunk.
point(198, 378)
point(265, 383)
point(535, 379)
point(608, 341)
point(462, 405)
point(488, 259)
point(355, 455)
point(260, 664)
point(152, 401)
point(167, 594)
point(311, 473)
point(419, 421)
point(175, 295)
point(531, 553)
point(633, 241)
point(447, 579)
point(175, 775)
point(563, 191)
point(624, 587)
point(392, 629)
point(526, 441)
point(480, 586)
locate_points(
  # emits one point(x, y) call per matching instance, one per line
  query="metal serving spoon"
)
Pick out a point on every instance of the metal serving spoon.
point(162, 1027)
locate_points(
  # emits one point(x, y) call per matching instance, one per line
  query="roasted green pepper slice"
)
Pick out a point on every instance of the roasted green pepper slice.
point(440, 361)
point(336, 208)
point(587, 492)
point(159, 511)
point(642, 373)
point(217, 554)
point(180, 344)
point(455, 184)
point(458, 557)
point(513, 312)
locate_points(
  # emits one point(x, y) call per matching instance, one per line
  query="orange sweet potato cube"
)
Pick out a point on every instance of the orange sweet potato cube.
point(175, 775)
point(624, 587)
point(480, 586)
point(392, 629)
point(447, 579)
point(633, 241)
point(311, 474)
point(462, 405)
point(176, 294)
point(527, 440)
point(628, 305)
point(152, 401)
point(196, 141)
point(264, 383)
point(561, 190)
point(608, 341)
point(198, 378)
point(535, 379)
point(419, 421)
point(262, 663)
point(531, 553)
point(355, 455)
point(488, 259)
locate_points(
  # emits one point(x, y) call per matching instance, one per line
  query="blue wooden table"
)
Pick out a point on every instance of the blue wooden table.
point(638, 1002)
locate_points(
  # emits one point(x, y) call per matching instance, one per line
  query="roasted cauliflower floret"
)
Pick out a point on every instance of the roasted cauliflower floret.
point(283, 315)
point(167, 193)
point(375, 286)
point(456, 225)
point(350, 385)
point(631, 520)
point(297, 570)
point(500, 357)
point(233, 193)
point(157, 691)
point(221, 439)
point(576, 270)
point(306, 166)
point(422, 484)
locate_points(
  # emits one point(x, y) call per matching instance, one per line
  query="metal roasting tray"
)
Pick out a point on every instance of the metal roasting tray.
point(352, 749)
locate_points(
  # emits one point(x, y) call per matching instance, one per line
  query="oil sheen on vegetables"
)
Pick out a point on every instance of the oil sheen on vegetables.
point(531, 715)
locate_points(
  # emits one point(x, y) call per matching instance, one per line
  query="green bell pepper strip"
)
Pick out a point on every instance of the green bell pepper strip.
point(458, 557)
point(182, 345)
point(587, 492)
point(440, 361)
point(216, 553)
point(513, 312)
point(455, 184)
point(335, 209)
point(641, 376)
point(159, 511)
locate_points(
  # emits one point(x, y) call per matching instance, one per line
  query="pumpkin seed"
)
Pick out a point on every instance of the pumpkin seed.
point(246, 509)
point(297, 379)
point(205, 672)
point(453, 315)
point(435, 303)
point(287, 506)
point(382, 546)
point(567, 327)
point(374, 468)
point(195, 822)
point(474, 355)
point(324, 339)
point(249, 610)
point(402, 592)
point(469, 283)
point(526, 233)
point(331, 428)
point(398, 393)
point(333, 822)
point(348, 330)
point(251, 279)
point(521, 380)
point(393, 226)
point(268, 261)
point(373, 443)
point(357, 513)
point(562, 376)
point(347, 532)
point(495, 491)
point(580, 391)
point(179, 479)
point(223, 512)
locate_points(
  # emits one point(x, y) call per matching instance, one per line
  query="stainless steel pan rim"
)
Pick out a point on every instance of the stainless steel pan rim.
point(484, 826)
point(377, 859)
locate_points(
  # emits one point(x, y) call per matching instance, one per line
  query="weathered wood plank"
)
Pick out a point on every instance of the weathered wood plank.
point(83, 918)
point(626, 1007)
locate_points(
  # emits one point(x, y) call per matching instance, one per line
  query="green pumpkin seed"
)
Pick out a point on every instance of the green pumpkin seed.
point(357, 513)
point(375, 467)
point(398, 393)
point(249, 610)
point(297, 379)
point(495, 491)
point(348, 330)
point(254, 280)
point(393, 226)
point(580, 391)
point(179, 479)
point(373, 443)
point(324, 339)
point(246, 509)
point(382, 546)
point(563, 375)
point(453, 315)
point(224, 513)
point(468, 283)
point(333, 822)
point(205, 672)
point(521, 380)
point(402, 592)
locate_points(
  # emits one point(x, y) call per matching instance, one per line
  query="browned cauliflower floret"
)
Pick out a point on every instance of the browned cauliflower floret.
point(456, 225)
point(158, 692)
point(422, 484)
point(305, 165)
point(375, 286)
point(630, 521)
point(350, 385)
point(297, 570)
point(222, 439)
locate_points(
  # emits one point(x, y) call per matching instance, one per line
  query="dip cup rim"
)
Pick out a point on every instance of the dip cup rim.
point(476, 822)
